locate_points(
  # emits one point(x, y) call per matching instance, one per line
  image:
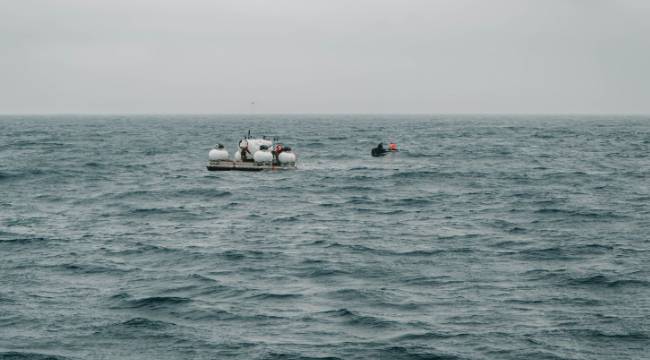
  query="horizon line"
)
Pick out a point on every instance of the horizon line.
point(320, 114)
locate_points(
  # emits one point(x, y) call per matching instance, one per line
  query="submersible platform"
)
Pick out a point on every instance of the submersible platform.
point(253, 154)
point(230, 165)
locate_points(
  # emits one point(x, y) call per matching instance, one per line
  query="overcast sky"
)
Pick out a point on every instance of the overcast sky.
point(325, 56)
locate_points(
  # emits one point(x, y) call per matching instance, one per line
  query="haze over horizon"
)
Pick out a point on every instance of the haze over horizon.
point(301, 57)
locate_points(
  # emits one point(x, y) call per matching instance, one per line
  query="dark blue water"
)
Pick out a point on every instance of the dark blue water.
point(495, 237)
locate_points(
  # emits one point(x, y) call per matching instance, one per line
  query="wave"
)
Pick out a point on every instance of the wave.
point(378, 297)
point(273, 355)
point(528, 354)
point(404, 353)
point(357, 248)
point(94, 164)
point(566, 252)
point(210, 192)
point(354, 319)
point(414, 202)
point(552, 253)
point(142, 249)
point(15, 355)
point(595, 334)
point(26, 240)
point(352, 188)
point(427, 336)
point(93, 269)
point(597, 214)
point(415, 174)
point(359, 200)
point(275, 296)
point(249, 254)
point(430, 281)
point(138, 327)
point(408, 253)
point(604, 281)
point(419, 155)
point(26, 174)
point(39, 144)
point(144, 323)
point(544, 274)
point(563, 278)
point(156, 302)
point(324, 272)
point(573, 301)
point(157, 210)
point(202, 278)
point(292, 218)
point(198, 193)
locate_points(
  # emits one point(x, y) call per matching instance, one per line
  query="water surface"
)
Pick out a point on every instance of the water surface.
point(487, 237)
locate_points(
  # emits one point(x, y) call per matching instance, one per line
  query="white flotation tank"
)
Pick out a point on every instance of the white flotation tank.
point(218, 153)
point(263, 156)
point(287, 157)
point(238, 156)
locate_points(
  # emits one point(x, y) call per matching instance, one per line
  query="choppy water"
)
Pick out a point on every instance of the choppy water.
point(486, 238)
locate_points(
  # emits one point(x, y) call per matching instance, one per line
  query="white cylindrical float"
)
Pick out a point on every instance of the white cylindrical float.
point(287, 158)
point(263, 156)
point(218, 154)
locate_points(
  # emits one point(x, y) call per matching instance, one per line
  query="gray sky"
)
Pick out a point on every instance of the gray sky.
point(325, 56)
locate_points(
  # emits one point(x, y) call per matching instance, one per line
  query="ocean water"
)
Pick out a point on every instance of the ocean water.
point(487, 237)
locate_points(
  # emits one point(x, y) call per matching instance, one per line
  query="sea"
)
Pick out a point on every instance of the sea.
point(485, 237)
